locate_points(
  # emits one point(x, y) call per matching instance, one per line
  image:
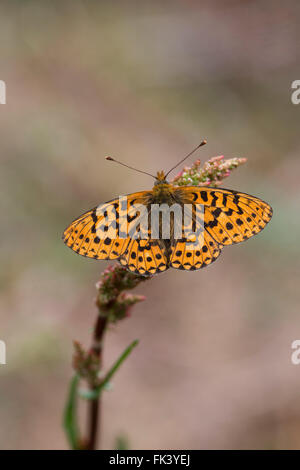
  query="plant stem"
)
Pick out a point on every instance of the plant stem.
point(95, 404)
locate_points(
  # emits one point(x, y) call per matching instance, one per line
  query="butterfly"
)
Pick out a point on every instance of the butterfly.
point(227, 217)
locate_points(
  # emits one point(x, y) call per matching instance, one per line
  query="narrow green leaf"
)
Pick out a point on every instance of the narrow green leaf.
point(117, 364)
point(93, 394)
point(70, 414)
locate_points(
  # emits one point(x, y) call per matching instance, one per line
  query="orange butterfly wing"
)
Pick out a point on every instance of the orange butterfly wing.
point(145, 257)
point(95, 234)
point(229, 217)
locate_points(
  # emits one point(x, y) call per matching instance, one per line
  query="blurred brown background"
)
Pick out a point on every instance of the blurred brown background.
point(144, 81)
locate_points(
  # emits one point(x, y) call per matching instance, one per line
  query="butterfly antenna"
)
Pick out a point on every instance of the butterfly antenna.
point(127, 166)
point(188, 155)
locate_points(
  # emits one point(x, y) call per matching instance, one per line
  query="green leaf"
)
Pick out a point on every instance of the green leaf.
point(70, 414)
point(117, 364)
point(94, 394)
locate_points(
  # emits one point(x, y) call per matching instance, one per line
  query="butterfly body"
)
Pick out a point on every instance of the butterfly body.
point(227, 217)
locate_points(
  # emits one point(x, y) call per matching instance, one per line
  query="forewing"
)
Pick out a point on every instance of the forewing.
point(229, 217)
point(101, 233)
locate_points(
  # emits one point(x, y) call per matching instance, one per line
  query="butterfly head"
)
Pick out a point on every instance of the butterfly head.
point(160, 178)
point(162, 190)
